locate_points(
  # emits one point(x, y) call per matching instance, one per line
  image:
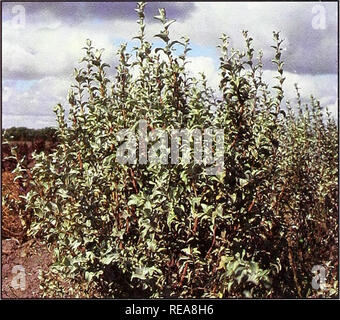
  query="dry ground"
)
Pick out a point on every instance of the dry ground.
point(33, 257)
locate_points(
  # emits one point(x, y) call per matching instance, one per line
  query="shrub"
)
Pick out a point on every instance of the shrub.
point(171, 230)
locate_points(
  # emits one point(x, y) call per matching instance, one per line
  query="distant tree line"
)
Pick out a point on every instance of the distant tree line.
point(27, 134)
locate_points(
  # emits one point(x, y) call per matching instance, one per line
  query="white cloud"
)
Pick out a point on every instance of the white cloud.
point(28, 121)
point(317, 85)
point(333, 109)
point(37, 52)
point(322, 87)
point(48, 49)
point(308, 50)
point(33, 106)
point(206, 65)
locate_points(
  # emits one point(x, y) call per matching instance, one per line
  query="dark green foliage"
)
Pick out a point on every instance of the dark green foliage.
point(155, 230)
point(27, 134)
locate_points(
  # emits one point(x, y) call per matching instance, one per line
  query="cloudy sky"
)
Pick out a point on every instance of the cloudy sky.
point(41, 44)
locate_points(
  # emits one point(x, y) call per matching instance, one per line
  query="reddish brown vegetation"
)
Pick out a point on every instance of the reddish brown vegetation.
point(17, 249)
point(11, 225)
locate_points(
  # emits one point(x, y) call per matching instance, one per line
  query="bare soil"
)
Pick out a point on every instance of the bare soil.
point(30, 257)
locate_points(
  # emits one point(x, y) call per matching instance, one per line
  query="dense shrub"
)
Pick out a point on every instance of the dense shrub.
point(171, 230)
